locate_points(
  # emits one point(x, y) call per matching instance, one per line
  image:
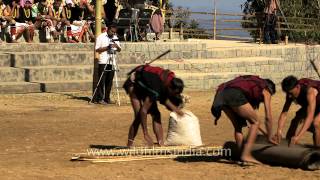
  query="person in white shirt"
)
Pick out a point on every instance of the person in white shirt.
point(107, 44)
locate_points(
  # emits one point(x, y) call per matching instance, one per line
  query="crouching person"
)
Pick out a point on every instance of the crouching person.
point(306, 93)
point(146, 85)
point(238, 99)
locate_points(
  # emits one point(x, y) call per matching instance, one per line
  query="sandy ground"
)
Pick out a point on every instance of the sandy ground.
point(40, 132)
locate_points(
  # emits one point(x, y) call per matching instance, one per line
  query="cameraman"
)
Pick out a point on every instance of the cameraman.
point(107, 44)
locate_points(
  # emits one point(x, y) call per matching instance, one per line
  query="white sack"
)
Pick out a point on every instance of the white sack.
point(183, 130)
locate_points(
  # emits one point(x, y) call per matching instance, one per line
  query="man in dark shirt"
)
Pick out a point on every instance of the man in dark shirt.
point(306, 93)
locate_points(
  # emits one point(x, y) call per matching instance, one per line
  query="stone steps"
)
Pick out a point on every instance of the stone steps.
point(192, 81)
point(69, 67)
point(207, 81)
point(52, 58)
point(19, 87)
point(84, 72)
point(65, 86)
point(250, 64)
point(5, 60)
point(131, 53)
point(10, 74)
point(58, 73)
point(45, 47)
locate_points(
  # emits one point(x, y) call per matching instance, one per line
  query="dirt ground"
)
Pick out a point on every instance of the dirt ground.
point(40, 132)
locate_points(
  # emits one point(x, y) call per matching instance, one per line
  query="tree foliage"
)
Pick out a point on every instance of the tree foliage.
point(301, 17)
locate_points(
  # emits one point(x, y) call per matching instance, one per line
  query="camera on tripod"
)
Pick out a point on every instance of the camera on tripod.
point(112, 50)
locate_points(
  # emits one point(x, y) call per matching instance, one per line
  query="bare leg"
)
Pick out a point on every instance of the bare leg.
point(147, 103)
point(20, 33)
point(300, 115)
point(238, 136)
point(27, 34)
point(316, 124)
point(156, 122)
point(246, 111)
point(136, 105)
point(31, 31)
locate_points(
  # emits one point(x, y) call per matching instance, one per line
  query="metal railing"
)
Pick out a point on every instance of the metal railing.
point(215, 23)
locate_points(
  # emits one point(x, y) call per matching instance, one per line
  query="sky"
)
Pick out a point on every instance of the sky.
point(207, 5)
point(223, 6)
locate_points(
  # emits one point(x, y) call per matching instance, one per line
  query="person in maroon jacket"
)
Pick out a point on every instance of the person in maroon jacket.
point(146, 85)
point(306, 93)
point(238, 99)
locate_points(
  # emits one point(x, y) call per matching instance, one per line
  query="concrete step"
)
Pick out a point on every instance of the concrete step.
point(84, 72)
point(5, 60)
point(192, 81)
point(70, 86)
point(48, 47)
point(65, 86)
point(10, 74)
point(58, 73)
point(139, 50)
point(207, 80)
point(250, 64)
point(52, 58)
point(19, 87)
point(68, 58)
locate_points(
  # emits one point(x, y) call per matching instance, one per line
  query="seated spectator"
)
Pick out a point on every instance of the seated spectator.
point(80, 14)
point(12, 8)
point(55, 12)
point(4, 16)
point(26, 20)
point(43, 20)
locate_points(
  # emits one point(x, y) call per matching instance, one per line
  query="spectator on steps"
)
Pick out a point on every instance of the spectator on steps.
point(157, 23)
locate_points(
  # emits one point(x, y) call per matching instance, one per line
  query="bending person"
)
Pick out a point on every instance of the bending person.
point(146, 85)
point(238, 99)
point(304, 92)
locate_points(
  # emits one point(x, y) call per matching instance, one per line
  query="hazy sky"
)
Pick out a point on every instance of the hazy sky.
point(207, 5)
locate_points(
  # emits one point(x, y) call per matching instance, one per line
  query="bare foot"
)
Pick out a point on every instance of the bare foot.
point(250, 159)
point(160, 143)
point(149, 141)
point(130, 143)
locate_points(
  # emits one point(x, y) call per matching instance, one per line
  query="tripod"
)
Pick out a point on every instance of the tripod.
point(115, 68)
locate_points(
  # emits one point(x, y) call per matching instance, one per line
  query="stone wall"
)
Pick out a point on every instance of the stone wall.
point(69, 67)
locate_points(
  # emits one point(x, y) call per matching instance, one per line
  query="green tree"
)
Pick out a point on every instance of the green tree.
point(181, 17)
point(194, 24)
point(301, 17)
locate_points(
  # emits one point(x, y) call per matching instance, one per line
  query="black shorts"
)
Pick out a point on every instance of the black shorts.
point(127, 85)
point(301, 115)
point(233, 97)
point(227, 98)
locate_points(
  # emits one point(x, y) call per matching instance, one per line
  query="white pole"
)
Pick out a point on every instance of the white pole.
point(116, 70)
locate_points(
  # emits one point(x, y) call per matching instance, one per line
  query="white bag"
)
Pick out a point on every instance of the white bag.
point(183, 130)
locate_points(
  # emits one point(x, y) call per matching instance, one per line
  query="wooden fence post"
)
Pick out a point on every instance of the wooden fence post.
point(278, 28)
point(181, 31)
point(260, 35)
